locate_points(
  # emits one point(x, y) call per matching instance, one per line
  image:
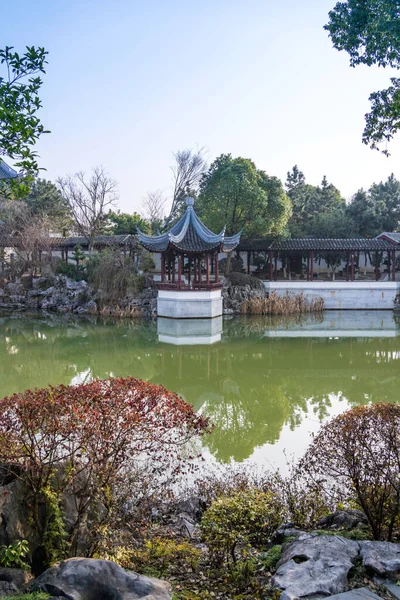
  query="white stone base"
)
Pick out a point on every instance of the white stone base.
point(342, 295)
point(193, 304)
point(189, 332)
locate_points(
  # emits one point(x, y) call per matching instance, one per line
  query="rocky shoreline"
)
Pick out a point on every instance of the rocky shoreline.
point(64, 295)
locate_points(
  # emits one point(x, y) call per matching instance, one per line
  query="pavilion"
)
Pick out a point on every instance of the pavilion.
point(190, 285)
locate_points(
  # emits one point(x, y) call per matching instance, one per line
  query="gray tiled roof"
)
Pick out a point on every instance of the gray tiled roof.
point(189, 234)
point(6, 172)
point(316, 244)
point(391, 235)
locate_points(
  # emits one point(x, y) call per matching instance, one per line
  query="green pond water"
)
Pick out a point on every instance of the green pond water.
point(267, 385)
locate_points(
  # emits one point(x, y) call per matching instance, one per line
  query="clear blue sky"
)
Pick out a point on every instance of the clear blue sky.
point(131, 81)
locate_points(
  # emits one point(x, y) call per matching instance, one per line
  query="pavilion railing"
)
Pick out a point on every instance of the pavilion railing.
point(203, 286)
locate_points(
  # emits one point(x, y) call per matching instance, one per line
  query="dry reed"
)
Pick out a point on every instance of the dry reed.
point(289, 304)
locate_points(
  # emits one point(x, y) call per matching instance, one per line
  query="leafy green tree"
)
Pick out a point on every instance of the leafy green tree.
point(45, 201)
point(20, 127)
point(377, 209)
point(369, 31)
point(235, 193)
point(317, 210)
point(119, 223)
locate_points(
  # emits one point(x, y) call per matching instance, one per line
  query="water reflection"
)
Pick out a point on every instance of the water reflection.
point(257, 385)
point(189, 332)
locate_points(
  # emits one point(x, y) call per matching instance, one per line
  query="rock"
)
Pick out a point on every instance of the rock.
point(383, 558)
point(26, 281)
point(13, 514)
point(18, 577)
point(344, 519)
point(315, 566)
point(14, 288)
point(287, 530)
point(7, 588)
point(92, 579)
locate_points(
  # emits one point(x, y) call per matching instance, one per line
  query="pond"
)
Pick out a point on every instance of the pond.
point(267, 385)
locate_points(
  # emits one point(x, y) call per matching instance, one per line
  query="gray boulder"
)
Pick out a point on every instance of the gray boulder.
point(383, 558)
point(7, 589)
point(344, 519)
point(315, 566)
point(91, 579)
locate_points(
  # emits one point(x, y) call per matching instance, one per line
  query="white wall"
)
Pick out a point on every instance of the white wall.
point(338, 295)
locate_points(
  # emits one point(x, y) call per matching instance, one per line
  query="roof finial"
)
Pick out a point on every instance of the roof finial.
point(189, 201)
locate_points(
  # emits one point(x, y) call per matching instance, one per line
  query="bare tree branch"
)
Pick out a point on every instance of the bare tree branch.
point(88, 200)
point(187, 172)
point(153, 208)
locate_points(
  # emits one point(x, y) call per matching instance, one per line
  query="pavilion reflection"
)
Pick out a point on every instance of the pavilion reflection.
point(189, 332)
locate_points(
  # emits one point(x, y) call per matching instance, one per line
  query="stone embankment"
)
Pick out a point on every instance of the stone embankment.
point(62, 295)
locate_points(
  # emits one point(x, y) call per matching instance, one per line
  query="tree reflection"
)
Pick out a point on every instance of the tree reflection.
point(251, 386)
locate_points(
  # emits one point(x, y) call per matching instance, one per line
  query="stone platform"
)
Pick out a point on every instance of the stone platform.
point(189, 304)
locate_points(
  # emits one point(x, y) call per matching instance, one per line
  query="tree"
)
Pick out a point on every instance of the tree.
point(20, 127)
point(154, 209)
point(187, 173)
point(124, 223)
point(98, 442)
point(234, 193)
point(45, 201)
point(294, 178)
point(369, 31)
point(88, 199)
point(377, 209)
point(317, 210)
point(356, 456)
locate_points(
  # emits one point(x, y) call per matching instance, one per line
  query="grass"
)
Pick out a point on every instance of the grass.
point(289, 304)
point(33, 596)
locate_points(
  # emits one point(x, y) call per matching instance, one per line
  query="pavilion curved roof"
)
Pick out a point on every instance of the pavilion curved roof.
point(189, 235)
point(7, 172)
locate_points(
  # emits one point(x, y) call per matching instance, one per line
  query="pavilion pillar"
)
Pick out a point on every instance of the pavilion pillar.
point(352, 266)
point(248, 263)
point(276, 266)
point(180, 260)
point(66, 256)
point(393, 265)
point(270, 264)
point(199, 269)
point(173, 269)
point(216, 268)
point(347, 266)
point(376, 267)
point(208, 268)
point(312, 265)
point(308, 265)
point(189, 269)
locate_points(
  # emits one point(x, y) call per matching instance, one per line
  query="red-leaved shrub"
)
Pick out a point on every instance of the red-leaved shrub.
point(104, 443)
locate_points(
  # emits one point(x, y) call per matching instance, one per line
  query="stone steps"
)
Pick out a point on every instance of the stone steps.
point(365, 594)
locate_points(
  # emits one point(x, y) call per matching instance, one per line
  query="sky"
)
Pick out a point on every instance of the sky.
point(130, 82)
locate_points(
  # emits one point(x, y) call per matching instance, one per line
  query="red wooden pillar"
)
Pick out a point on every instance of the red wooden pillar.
point(376, 267)
point(216, 268)
point(208, 268)
point(308, 265)
point(162, 268)
point(173, 270)
point(199, 268)
point(393, 265)
point(347, 266)
point(270, 264)
point(312, 265)
point(352, 266)
point(180, 259)
point(189, 269)
point(276, 266)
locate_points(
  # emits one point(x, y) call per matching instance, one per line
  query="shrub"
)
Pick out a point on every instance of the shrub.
point(114, 274)
point(246, 518)
point(101, 442)
point(357, 456)
point(72, 271)
point(272, 557)
point(14, 555)
point(159, 555)
point(241, 280)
